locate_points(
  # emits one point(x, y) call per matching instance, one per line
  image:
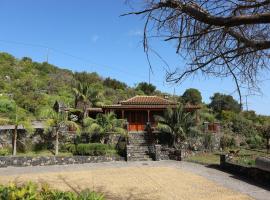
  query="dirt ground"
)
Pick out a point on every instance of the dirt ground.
point(134, 183)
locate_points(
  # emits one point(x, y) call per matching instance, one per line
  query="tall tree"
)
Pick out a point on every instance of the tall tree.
point(220, 102)
point(147, 88)
point(218, 37)
point(192, 96)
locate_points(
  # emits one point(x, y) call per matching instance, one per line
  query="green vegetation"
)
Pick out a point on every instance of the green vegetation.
point(222, 102)
point(56, 122)
point(192, 96)
point(146, 88)
point(44, 84)
point(31, 191)
point(94, 149)
point(248, 156)
point(205, 158)
point(176, 122)
point(103, 125)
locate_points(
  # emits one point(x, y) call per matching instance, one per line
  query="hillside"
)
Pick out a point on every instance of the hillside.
point(34, 85)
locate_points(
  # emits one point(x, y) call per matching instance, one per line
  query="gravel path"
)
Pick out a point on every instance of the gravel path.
point(142, 180)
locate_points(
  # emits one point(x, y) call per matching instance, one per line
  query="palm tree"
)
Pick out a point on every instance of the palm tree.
point(103, 125)
point(57, 123)
point(86, 95)
point(17, 118)
point(176, 122)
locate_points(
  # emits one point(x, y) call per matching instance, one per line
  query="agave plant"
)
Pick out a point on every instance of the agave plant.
point(176, 122)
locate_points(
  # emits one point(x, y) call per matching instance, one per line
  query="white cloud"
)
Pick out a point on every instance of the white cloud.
point(95, 38)
point(135, 33)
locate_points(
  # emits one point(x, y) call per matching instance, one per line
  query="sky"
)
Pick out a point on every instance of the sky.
point(90, 35)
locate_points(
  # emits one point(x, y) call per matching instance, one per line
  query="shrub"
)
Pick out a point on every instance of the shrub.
point(255, 141)
point(4, 152)
point(227, 141)
point(69, 148)
point(194, 132)
point(208, 141)
point(93, 149)
point(30, 191)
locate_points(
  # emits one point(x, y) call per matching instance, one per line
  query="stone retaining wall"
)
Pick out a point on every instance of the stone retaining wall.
point(54, 160)
point(253, 173)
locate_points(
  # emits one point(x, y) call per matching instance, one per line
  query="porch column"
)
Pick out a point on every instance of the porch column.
point(123, 114)
point(148, 115)
point(197, 117)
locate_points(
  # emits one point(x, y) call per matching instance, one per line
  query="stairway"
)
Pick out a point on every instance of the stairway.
point(139, 148)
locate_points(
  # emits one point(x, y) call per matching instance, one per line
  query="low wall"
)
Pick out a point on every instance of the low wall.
point(253, 173)
point(54, 160)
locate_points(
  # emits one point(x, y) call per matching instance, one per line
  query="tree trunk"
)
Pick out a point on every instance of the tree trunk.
point(85, 111)
point(268, 144)
point(56, 143)
point(15, 140)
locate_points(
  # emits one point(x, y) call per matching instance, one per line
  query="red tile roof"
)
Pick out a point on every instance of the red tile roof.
point(147, 100)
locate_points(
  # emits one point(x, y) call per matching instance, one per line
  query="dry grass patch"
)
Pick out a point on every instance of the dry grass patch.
point(135, 183)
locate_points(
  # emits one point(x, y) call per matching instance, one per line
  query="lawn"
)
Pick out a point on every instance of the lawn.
point(248, 156)
point(244, 157)
point(205, 158)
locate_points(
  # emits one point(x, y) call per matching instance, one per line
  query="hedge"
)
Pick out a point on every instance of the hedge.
point(91, 149)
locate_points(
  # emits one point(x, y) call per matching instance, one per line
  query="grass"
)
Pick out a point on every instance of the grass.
point(205, 158)
point(39, 153)
point(43, 153)
point(245, 157)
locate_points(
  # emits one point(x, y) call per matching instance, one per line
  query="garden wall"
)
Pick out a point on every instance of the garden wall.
point(51, 160)
point(253, 173)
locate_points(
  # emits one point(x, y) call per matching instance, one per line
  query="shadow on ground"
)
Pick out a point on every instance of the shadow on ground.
point(265, 186)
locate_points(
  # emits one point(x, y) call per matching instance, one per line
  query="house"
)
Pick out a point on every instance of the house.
point(139, 111)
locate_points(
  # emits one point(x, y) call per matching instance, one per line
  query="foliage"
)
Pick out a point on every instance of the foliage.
point(208, 158)
point(94, 149)
point(4, 152)
point(114, 84)
point(208, 141)
point(222, 102)
point(58, 123)
point(147, 88)
point(227, 141)
point(30, 191)
point(255, 141)
point(192, 96)
point(44, 84)
point(103, 125)
point(207, 116)
point(176, 122)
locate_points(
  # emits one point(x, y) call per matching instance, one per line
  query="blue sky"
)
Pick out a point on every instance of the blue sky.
point(89, 35)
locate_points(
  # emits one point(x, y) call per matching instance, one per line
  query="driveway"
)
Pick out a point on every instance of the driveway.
point(170, 180)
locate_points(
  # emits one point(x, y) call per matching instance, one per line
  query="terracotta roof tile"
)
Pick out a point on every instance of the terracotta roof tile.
point(147, 100)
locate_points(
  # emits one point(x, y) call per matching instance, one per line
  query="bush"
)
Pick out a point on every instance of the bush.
point(30, 191)
point(208, 141)
point(69, 148)
point(255, 141)
point(93, 149)
point(4, 152)
point(227, 141)
point(194, 132)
